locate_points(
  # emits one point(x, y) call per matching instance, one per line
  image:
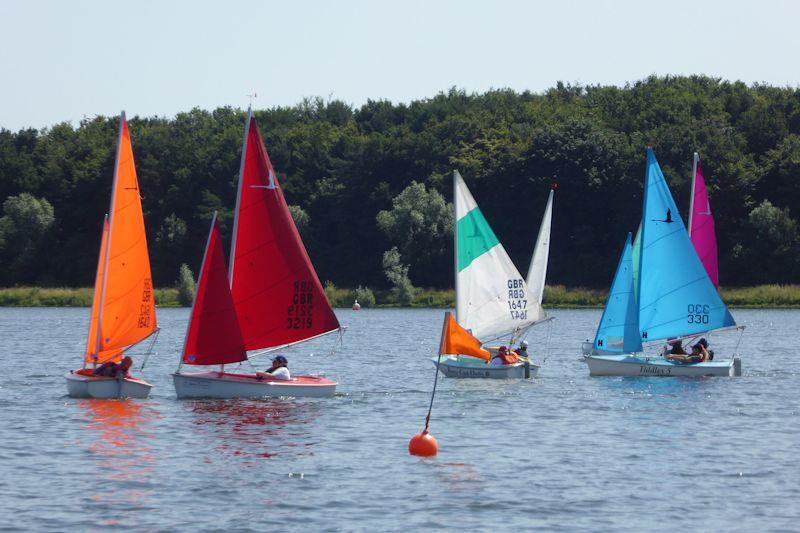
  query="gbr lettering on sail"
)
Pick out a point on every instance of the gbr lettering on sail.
point(517, 299)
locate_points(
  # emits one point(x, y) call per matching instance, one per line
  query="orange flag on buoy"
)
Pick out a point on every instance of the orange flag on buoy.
point(457, 340)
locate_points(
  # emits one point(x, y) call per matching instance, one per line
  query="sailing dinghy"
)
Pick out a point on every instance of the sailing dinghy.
point(493, 301)
point(123, 306)
point(661, 290)
point(268, 298)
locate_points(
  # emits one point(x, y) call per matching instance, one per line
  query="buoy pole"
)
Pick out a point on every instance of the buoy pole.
point(424, 444)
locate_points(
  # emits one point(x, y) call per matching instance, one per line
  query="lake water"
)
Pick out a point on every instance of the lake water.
point(562, 452)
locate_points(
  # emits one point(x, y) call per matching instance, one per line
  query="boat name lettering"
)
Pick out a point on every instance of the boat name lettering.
point(697, 313)
point(655, 370)
point(144, 309)
point(299, 313)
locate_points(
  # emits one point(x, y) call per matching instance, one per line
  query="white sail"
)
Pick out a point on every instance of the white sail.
point(492, 298)
point(537, 272)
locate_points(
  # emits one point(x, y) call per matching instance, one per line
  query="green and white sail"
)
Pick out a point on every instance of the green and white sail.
point(492, 298)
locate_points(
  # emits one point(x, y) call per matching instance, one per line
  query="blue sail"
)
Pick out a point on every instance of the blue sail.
point(676, 296)
point(619, 327)
point(637, 248)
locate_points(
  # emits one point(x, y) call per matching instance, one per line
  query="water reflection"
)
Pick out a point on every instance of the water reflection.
point(255, 428)
point(120, 434)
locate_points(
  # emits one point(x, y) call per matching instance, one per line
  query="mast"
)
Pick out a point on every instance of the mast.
point(455, 238)
point(695, 159)
point(108, 238)
point(232, 258)
point(638, 280)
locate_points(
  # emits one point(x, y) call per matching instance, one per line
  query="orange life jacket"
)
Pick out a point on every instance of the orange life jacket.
point(509, 358)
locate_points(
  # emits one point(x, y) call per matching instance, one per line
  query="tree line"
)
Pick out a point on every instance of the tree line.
point(370, 186)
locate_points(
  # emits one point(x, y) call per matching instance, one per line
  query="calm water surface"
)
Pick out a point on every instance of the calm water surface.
point(562, 452)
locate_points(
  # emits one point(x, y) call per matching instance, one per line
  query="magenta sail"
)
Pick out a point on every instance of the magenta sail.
point(702, 227)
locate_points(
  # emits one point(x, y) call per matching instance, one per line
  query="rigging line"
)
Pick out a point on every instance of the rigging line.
point(150, 349)
point(547, 342)
point(339, 341)
point(736, 349)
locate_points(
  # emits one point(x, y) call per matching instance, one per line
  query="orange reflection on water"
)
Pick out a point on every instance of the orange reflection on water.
point(119, 430)
point(256, 428)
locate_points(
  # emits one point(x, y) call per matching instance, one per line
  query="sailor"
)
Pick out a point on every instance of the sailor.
point(504, 357)
point(522, 351)
point(278, 370)
point(114, 370)
point(699, 354)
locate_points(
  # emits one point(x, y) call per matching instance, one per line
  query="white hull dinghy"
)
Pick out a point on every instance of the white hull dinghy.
point(228, 385)
point(657, 366)
point(269, 297)
point(83, 386)
point(464, 366)
point(123, 305)
point(661, 292)
point(492, 299)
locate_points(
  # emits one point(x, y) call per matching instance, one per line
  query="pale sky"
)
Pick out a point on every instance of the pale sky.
point(64, 60)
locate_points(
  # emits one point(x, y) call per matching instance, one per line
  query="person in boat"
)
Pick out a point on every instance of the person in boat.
point(115, 370)
point(522, 351)
point(504, 357)
point(278, 370)
point(699, 354)
point(677, 348)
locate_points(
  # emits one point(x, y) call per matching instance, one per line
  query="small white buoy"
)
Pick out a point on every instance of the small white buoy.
point(356, 305)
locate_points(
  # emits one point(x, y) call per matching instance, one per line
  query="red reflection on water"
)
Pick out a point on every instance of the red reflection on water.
point(257, 428)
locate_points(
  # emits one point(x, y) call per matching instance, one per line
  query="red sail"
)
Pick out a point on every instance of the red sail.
point(277, 294)
point(214, 337)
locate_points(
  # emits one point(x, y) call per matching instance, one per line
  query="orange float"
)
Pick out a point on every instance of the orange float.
point(423, 444)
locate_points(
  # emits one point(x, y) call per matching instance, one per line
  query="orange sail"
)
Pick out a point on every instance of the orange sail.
point(457, 340)
point(126, 304)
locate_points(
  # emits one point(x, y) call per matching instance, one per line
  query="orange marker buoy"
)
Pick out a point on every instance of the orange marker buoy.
point(423, 444)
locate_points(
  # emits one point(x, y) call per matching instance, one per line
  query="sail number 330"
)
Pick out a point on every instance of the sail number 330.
point(517, 302)
point(697, 314)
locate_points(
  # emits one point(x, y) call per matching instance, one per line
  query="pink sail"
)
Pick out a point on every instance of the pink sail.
point(701, 227)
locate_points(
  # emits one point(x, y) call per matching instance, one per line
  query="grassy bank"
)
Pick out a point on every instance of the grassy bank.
point(557, 296)
point(68, 297)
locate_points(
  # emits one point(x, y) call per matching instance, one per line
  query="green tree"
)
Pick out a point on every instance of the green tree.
point(300, 217)
point(186, 286)
point(777, 244)
point(420, 225)
point(403, 291)
point(24, 231)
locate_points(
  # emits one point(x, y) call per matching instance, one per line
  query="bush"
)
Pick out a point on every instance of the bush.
point(186, 286)
point(397, 273)
point(365, 296)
